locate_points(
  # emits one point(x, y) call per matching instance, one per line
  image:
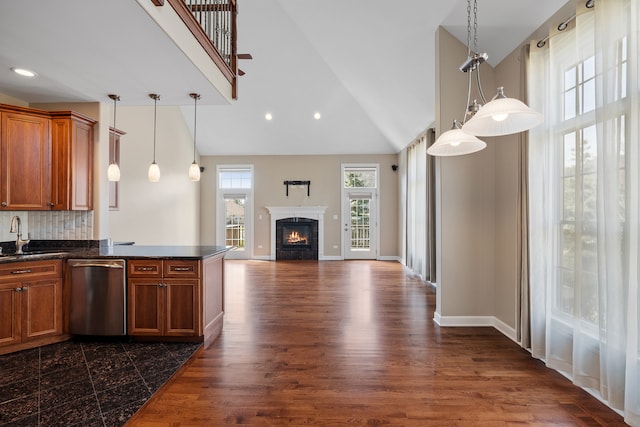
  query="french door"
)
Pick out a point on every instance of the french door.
point(360, 211)
point(360, 225)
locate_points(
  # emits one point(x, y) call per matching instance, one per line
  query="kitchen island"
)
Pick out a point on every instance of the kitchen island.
point(174, 293)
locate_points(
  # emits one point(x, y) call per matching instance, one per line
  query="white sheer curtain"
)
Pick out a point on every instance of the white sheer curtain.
point(417, 207)
point(584, 203)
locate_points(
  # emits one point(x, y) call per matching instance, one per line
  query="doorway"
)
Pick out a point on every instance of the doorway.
point(360, 211)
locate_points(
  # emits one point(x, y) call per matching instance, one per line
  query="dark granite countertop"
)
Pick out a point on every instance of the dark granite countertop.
point(117, 251)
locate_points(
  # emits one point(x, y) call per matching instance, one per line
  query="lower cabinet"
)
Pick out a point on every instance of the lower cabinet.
point(165, 298)
point(30, 304)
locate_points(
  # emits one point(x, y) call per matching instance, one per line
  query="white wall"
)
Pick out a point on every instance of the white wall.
point(165, 212)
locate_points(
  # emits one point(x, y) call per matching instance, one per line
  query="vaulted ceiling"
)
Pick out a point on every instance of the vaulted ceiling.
point(367, 66)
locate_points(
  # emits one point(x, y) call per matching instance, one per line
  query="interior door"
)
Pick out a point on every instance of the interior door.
point(360, 225)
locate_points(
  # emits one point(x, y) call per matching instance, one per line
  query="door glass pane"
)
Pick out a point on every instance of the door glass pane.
point(234, 222)
point(360, 224)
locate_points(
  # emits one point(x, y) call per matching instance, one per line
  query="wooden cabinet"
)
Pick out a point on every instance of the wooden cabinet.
point(72, 161)
point(25, 160)
point(164, 298)
point(30, 304)
point(46, 160)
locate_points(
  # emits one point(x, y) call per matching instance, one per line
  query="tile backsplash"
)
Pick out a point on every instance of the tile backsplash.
point(49, 225)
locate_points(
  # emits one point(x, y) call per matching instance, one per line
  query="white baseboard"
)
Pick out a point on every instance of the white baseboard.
point(331, 258)
point(476, 321)
point(389, 258)
point(262, 258)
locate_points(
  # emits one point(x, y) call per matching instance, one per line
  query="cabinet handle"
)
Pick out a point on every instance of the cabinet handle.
point(21, 271)
point(146, 268)
point(18, 289)
point(4, 204)
point(182, 269)
point(162, 285)
point(52, 204)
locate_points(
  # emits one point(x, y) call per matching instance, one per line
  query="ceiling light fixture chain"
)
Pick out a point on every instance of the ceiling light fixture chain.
point(475, 26)
point(468, 27)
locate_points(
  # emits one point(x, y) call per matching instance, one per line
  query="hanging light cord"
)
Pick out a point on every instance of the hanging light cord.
point(115, 99)
point(195, 121)
point(155, 115)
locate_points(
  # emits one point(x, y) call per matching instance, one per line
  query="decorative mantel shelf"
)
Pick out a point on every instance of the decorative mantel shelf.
point(311, 212)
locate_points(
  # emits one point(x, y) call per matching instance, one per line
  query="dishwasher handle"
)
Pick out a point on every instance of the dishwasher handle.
point(95, 264)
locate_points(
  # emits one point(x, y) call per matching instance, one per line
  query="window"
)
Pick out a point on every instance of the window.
point(364, 177)
point(577, 258)
point(235, 178)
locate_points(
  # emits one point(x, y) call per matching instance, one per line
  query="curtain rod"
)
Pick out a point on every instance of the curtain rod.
point(564, 24)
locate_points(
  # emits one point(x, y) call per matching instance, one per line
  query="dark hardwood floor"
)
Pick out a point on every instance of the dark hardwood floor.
point(353, 343)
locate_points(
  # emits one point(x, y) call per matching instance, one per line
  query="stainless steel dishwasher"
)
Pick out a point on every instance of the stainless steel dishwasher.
point(98, 297)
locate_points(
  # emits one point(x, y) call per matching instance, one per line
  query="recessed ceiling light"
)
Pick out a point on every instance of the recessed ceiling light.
point(317, 116)
point(268, 116)
point(24, 72)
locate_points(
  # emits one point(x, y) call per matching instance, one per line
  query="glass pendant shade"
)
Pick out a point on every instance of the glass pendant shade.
point(502, 116)
point(194, 172)
point(154, 172)
point(113, 172)
point(455, 142)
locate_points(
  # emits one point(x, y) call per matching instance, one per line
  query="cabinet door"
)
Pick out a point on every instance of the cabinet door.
point(9, 313)
point(146, 307)
point(41, 308)
point(72, 164)
point(183, 306)
point(25, 162)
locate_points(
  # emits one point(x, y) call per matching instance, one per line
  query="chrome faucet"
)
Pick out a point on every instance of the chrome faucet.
point(16, 226)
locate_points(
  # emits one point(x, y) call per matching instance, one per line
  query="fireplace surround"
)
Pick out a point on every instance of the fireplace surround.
point(300, 215)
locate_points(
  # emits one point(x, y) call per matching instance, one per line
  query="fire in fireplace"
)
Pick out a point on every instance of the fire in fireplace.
point(296, 234)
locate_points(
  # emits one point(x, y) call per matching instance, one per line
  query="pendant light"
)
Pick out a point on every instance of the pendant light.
point(154, 169)
point(113, 171)
point(455, 142)
point(501, 115)
point(194, 169)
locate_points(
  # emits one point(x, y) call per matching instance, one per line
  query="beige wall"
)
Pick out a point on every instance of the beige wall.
point(324, 172)
point(465, 199)
point(165, 212)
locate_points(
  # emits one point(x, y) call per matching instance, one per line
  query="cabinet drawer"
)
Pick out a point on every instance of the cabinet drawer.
point(29, 270)
point(145, 268)
point(180, 268)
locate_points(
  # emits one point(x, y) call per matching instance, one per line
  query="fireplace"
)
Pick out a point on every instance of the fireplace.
point(300, 216)
point(296, 239)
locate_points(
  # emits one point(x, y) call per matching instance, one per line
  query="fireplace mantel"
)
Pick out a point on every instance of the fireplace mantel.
point(311, 212)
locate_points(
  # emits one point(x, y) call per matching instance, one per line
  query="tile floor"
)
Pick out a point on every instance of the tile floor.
point(84, 382)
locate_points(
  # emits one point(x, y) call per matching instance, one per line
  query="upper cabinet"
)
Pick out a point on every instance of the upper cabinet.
point(25, 161)
point(46, 160)
point(72, 162)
